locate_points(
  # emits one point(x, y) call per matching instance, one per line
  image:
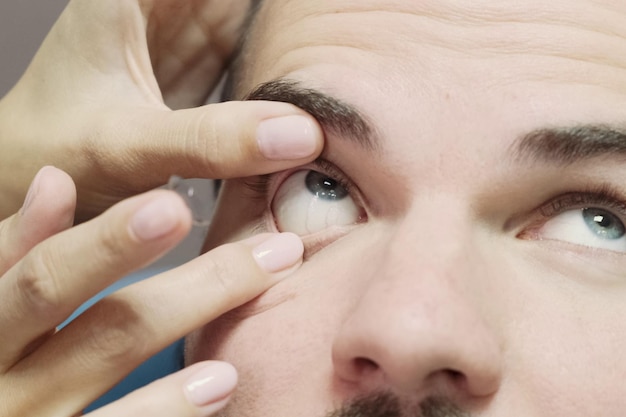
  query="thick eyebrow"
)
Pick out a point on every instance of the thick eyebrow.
point(560, 145)
point(568, 145)
point(332, 113)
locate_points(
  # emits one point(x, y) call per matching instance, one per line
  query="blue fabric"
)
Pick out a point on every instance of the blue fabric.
point(160, 365)
point(163, 363)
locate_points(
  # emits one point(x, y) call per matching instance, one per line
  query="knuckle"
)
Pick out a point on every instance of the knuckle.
point(111, 246)
point(38, 281)
point(209, 139)
point(223, 279)
point(115, 336)
point(92, 146)
point(226, 143)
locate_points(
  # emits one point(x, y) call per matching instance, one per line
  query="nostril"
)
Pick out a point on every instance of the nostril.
point(457, 378)
point(364, 366)
point(455, 375)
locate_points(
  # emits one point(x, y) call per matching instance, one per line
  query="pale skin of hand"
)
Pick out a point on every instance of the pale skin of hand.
point(48, 268)
point(97, 101)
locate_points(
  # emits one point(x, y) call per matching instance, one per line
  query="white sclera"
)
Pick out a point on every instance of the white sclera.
point(296, 209)
point(570, 226)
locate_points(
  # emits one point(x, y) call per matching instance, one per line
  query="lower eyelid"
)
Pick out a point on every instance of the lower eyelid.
point(313, 243)
point(317, 241)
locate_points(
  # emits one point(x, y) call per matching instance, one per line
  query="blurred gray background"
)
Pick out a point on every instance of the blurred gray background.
point(23, 26)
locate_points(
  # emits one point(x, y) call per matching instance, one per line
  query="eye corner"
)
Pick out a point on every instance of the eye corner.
point(528, 234)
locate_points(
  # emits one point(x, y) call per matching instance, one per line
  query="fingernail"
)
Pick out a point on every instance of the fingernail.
point(288, 137)
point(211, 383)
point(279, 252)
point(157, 218)
point(33, 189)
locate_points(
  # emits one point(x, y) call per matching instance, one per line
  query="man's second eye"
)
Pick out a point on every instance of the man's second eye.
point(592, 227)
point(309, 201)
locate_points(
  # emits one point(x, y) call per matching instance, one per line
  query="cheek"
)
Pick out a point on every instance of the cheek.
point(581, 359)
point(569, 371)
point(565, 342)
point(272, 350)
point(288, 332)
point(304, 310)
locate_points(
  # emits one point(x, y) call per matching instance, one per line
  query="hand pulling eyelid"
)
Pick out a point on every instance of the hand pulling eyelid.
point(189, 195)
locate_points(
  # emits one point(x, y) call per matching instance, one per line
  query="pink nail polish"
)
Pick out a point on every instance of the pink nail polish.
point(157, 218)
point(33, 190)
point(288, 137)
point(279, 252)
point(211, 383)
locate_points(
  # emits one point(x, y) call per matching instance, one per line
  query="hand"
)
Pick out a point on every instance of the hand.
point(97, 102)
point(48, 269)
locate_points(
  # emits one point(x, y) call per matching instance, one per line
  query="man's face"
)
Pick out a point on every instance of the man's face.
point(464, 228)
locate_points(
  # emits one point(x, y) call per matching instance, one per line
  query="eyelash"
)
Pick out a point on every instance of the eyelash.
point(603, 196)
point(261, 185)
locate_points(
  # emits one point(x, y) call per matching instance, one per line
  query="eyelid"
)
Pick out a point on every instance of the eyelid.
point(265, 186)
point(315, 242)
point(604, 196)
point(330, 169)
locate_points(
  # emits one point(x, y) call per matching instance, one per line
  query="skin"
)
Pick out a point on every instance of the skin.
point(456, 285)
point(97, 102)
point(114, 98)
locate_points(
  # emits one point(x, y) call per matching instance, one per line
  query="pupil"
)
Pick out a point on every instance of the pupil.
point(324, 187)
point(603, 223)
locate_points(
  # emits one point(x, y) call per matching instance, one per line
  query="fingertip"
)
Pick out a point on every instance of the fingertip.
point(49, 180)
point(289, 137)
point(161, 215)
point(51, 197)
point(279, 252)
point(210, 384)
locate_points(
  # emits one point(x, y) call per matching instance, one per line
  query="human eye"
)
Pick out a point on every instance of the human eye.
point(595, 220)
point(313, 199)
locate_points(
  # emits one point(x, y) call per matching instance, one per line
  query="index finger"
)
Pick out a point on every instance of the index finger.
point(221, 140)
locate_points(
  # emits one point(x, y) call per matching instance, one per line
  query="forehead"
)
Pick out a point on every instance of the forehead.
point(534, 39)
point(439, 69)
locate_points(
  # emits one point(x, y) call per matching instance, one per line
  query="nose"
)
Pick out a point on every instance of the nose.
point(420, 326)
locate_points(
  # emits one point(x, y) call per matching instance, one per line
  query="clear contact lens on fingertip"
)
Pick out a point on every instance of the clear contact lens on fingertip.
point(195, 197)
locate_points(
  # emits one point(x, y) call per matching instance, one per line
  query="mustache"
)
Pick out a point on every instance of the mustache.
point(388, 405)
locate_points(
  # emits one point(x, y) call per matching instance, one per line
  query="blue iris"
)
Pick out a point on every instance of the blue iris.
point(325, 187)
point(603, 224)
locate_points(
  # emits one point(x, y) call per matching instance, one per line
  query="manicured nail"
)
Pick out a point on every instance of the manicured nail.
point(279, 252)
point(32, 190)
point(211, 383)
point(288, 137)
point(157, 218)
